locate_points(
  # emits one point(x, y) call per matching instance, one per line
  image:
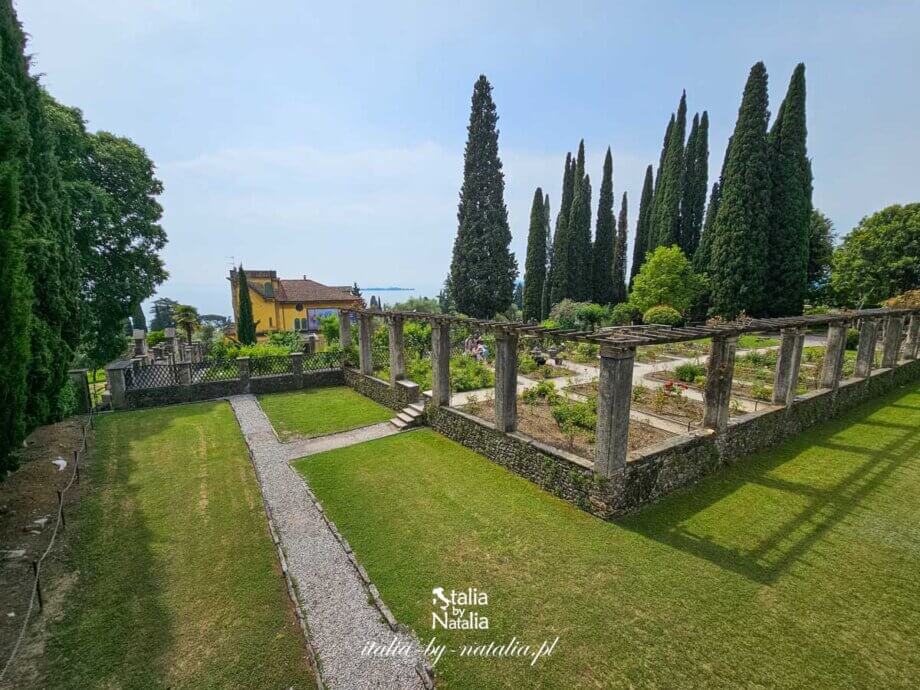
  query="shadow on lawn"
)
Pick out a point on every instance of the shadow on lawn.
point(781, 546)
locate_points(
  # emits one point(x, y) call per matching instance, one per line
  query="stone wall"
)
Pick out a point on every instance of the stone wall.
point(395, 397)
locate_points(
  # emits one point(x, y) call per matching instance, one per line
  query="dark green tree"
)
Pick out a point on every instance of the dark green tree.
point(544, 297)
point(559, 270)
point(138, 320)
point(640, 244)
point(535, 265)
point(790, 204)
point(605, 238)
point(245, 328)
point(580, 263)
point(820, 253)
point(703, 254)
point(483, 269)
point(739, 244)
point(162, 313)
point(695, 184)
point(619, 256)
point(664, 224)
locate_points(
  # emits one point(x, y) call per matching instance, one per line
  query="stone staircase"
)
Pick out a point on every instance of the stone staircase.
point(410, 416)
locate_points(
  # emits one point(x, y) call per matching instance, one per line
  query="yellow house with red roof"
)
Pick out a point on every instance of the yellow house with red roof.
point(281, 304)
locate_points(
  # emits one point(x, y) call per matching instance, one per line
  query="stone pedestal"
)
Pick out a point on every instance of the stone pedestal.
point(720, 371)
point(139, 338)
point(172, 342)
point(81, 387)
point(913, 337)
point(365, 354)
point(786, 376)
point(614, 397)
point(297, 364)
point(242, 364)
point(185, 373)
point(506, 362)
point(865, 352)
point(397, 349)
point(115, 376)
point(833, 355)
point(893, 329)
point(440, 364)
point(344, 329)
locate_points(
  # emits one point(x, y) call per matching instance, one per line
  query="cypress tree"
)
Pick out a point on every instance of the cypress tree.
point(544, 297)
point(695, 184)
point(665, 144)
point(559, 271)
point(739, 244)
point(619, 256)
point(664, 226)
point(138, 320)
point(483, 269)
point(640, 244)
point(790, 203)
point(245, 328)
point(580, 264)
point(605, 238)
point(703, 254)
point(535, 265)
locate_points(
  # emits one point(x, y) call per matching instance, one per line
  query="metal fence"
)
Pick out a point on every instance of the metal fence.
point(270, 365)
point(159, 375)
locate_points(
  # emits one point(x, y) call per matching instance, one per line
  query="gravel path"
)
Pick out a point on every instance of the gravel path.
point(333, 596)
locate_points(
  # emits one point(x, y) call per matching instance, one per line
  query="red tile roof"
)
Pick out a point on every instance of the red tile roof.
point(307, 290)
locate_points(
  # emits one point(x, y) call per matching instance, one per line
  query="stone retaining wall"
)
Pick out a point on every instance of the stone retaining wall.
point(378, 390)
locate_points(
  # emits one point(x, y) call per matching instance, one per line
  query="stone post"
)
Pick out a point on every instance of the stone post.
point(397, 349)
point(913, 337)
point(614, 396)
point(892, 345)
point(344, 329)
point(115, 375)
point(865, 353)
point(242, 364)
point(365, 355)
point(440, 364)
point(81, 386)
point(185, 373)
point(720, 371)
point(833, 355)
point(506, 361)
point(310, 344)
point(172, 342)
point(786, 376)
point(297, 366)
point(140, 343)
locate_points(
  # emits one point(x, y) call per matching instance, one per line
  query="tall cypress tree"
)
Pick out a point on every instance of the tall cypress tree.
point(483, 269)
point(703, 254)
point(245, 328)
point(790, 203)
point(138, 320)
point(739, 244)
point(605, 238)
point(580, 263)
point(559, 273)
point(664, 227)
point(535, 265)
point(665, 145)
point(544, 298)
point(695, 184)
point(619, 256)
point(640, 244)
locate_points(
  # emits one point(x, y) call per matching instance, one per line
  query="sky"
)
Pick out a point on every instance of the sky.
point(326, 139)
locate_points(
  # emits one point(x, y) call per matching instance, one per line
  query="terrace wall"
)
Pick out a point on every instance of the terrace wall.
point(395, 397)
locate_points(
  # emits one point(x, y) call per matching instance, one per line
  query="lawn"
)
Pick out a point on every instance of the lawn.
point(178, 582)
point(799, 567)
point(321, 411)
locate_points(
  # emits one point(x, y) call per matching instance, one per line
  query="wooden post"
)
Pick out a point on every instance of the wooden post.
point(506, 361)
point(614, 396)
point(397, 349)
point(720, 371)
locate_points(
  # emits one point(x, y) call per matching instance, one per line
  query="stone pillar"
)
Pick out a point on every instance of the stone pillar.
point(397, 349)
point(865, 353)
point(913, 337)
point(310, 344)
point(140, 343)
point(81, 387)
point(893, 328)
point(344, 329)
point(786, 376)
point(720, 371)
point(185, 373)
point(833, 355)
point(365, 354)
point(172, 342)
point(297, 365)
point(115, 376)
point(440, 364)
point(506, 361)
point(242, 364)
point(614, 396)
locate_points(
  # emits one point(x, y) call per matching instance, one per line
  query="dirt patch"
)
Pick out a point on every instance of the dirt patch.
point(28, 510)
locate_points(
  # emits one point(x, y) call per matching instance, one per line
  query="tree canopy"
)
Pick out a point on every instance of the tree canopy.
point(666, 278)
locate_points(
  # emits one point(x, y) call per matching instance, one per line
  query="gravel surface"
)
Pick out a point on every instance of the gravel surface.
point(334, 598)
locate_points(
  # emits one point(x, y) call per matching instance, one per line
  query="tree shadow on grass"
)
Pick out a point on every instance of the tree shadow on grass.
point(810, 508)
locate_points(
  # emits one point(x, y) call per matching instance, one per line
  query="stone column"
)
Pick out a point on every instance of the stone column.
point(865, 352)
point(242, 364)
point(506, 361)
point(720, 371)
point(913, 337)
point(892, 345)
point(786, 376)
point(365, 355)
point(115, 376)
point(833, 355)
point(397, 349)
point(140, 343)
point(344, 329)
point(614, 396)
point(297, 366)
point(172, 342)
point(81, 386)
point(440, 364)
point(185, 373)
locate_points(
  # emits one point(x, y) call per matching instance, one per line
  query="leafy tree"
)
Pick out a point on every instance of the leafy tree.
point(605, 238)
point(640, 245)
point(138, 320)
point(662, 315)
point(186, 318)
point(619, 256)
point(535, 266)
point(422, 305)
point(162, 313)
point(216, 320)
point(666, 278)
point(483, 270)
point(664, 223)
point(739, 246)
point(694, 185)
point(879, 258)
point(559, 271)
point(820, 253)
point(245, 328)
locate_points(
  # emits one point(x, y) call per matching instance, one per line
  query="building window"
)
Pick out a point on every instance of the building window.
point(269, 322)
point(268, 290)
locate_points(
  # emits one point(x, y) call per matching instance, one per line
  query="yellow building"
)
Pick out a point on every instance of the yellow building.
point(279, 304)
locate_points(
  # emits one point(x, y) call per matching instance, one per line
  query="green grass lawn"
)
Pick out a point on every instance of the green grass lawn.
point(178, 584)
point(321, 411)
point(799, 567)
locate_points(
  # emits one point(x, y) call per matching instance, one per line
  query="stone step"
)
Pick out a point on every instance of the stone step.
point(408, 419)
point(398, 423)
point(418, 407)
point(412, 412)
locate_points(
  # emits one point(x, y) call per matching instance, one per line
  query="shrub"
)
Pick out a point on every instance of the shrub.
point(688, 372)
point(467, 374)
point(663, 315)
point(667, 277)
point(545, 390)
point(585, 353)
point(527, 364)
point(852, 339)
point(624, 314)
point(581, 315)
point(287, 339)
point(155, 338)
point(417, 337)
point(906, 300)
point(639, 393)
point(817, 310)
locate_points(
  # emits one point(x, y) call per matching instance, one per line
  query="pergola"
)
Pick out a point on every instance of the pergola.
point(617, 353)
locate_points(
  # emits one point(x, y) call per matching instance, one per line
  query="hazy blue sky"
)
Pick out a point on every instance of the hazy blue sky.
point(327, 138)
